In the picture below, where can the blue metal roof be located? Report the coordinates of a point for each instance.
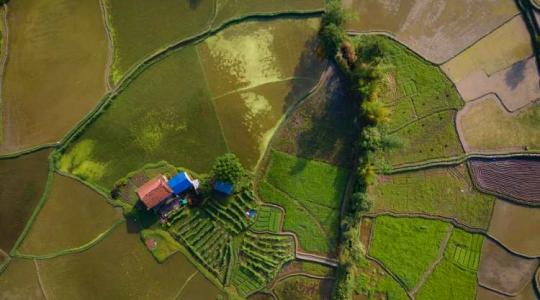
(224, 187)
(180, 183)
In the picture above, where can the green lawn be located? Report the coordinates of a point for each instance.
(455, 276)
(439, 191)
(307, 181)
(417, 90)
(317, 269)
(407, 246)
(135, 25)
(165, 114)
(165, 245)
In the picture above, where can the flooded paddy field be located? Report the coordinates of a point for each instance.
(18, 204)
(20, 281)
(436, 29)
(485, 125)
(165, 114)
(69, 202)
(515, 178)
(503, 271)
(142, 27)
(55, 69)
(516, 227)
(120, 267)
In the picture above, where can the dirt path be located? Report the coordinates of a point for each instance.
(41, 287)
(110, 44)
(318, 259)
(434, 264)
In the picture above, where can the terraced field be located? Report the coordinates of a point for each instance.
(47, 89)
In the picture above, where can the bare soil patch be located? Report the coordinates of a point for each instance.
(516, 86)
(483, 293)
(516, 227)
(503, 271)
(436, 29)
(514, 178)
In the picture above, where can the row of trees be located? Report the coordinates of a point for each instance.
(363, 66)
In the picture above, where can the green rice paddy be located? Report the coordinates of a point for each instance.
(446, 192)
(140, 28)
(182, 129)
(407, 246)
(68, 202)
(47, 89)
(29, 171)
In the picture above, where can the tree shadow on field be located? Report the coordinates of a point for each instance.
(516, 74)
(193, 4)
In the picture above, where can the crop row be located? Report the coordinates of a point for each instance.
(208, 241)
(466, 256)
(231, 213)
(268, 219)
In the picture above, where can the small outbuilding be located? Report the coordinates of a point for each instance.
(153, 192)
(223, 187)
(182, 182)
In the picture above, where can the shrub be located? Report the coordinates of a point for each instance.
(332, 37)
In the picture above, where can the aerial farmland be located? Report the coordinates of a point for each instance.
(270, 150)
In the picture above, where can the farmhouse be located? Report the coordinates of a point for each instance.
(157, 190)
(153, 192)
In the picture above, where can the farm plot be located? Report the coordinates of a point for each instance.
(375, 283)
(320, 128)
(407, 246)
(422, 102)
(17, 204)
(234, 9)
(140, 28)
(253, 53)
(315, 227)
(516, 227)
(516, 86)
(514, 178)
(499, 50)
(446, 192)
(485, 126)
(438, 30)
(47, 89)
(310, 192)
(20, 281)
(75, 215)
(528, 293)
(261, 257)
(503, 271)
(249, 118)
(119, 267)
(268, 219)
(303, 288)
(455, 276)
(165, 114)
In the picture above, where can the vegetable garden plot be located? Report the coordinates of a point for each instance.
(268, 219)
(514, 178)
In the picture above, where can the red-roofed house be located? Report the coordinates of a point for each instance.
(154, 192)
